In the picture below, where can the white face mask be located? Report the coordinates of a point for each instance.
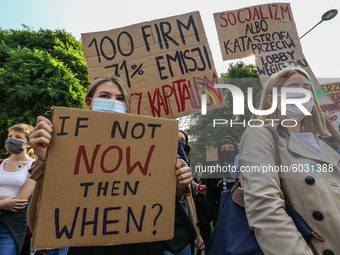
(292, 111)
(109, 105)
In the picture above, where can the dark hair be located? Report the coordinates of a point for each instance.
(187, 146)
(226, 140)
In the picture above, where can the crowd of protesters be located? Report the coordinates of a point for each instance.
(314, 195)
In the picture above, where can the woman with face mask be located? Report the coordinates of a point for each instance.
(15, 189)
(307, 176)
(227, 151)
(107, 94)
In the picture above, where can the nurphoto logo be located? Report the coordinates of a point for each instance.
(204, 97)
(238, 99)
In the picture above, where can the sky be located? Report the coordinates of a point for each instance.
(321, 46)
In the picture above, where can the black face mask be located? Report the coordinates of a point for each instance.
(228, 156)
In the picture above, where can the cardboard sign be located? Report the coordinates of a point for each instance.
(161, 61)
(334, 118)
(333, 91)
(237, 30)
(109, 179)
(267, 31)
(211, 154)
(272, 57)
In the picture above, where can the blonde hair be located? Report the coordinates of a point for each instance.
(314, 123)
(121, 85)
(26, 129)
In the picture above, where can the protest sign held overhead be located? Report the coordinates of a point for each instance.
(334, 118)
(333, 91)
(272, 57)
(268, 32)
(163, 62)
(332, 111)
(238, 29)
(103, 183)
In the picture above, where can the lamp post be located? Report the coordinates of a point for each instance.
(326, 16)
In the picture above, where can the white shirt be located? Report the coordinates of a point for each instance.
(12, 182)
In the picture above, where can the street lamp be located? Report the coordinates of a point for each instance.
(326, 16)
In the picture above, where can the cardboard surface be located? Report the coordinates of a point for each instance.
(269, 33)
(272, 57)
(238, 29)
(160, 61)
(333, 91)
(109, 179)
(211, 154)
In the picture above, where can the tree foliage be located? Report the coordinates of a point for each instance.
(38, 70)
(203, 134)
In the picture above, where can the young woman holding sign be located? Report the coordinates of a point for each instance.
(106, 94)
(15, 189)
(307, 177)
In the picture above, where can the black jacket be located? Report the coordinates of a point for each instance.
(213, 195)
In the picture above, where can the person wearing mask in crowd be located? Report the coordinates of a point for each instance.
(105, 94)
(185, 139)
(15, 189)
(199, 187)
(227, 151)
(188, 202)
(313, 191)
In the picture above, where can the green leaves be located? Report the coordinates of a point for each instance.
(203, 132)
(38, 70)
